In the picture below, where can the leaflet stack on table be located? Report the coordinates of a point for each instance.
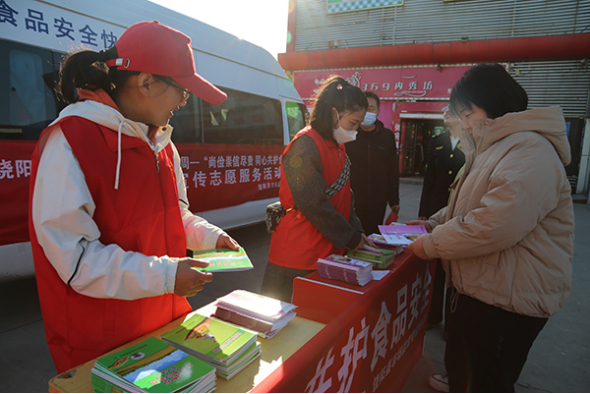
(346, 269)
(226, 347)
(152, 366)
(265, 315)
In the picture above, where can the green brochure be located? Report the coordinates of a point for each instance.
(211, 340)
(221, 260)
(152, 366)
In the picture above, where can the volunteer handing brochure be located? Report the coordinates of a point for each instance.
(223, 260)
(401, 235)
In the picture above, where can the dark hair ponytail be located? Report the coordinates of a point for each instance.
(87, 69)
(337, 93)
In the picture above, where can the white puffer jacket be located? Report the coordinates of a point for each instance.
(507, 236)
(63, 210)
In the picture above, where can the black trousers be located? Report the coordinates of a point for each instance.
(437, 306)
(371, 217)
(486, 346)
(278, 281)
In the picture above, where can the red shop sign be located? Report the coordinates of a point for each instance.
(395, 83)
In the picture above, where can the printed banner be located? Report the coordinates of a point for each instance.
(216, 176)
(54, 27)
(219, 176)
(335, 6)
(370, 347)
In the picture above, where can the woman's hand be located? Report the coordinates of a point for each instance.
(364, 241)
(189, 281)
(226, 242)
(420, 222)
(417, 247)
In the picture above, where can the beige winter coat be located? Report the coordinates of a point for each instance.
(507, 236)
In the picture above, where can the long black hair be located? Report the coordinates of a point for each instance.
(337, 93)
(87, 69)
(490, 87)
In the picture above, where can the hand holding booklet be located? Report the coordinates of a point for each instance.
(223, 260)
(402, 235)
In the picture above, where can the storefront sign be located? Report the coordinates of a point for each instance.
(335, 6)
(216, 176)
(372, 346)
(395, 83)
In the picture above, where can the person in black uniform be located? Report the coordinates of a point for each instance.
(445, 160)
(374, 170)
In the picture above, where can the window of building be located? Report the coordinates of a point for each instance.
(243, 118)
(27, 90)
(296, 117)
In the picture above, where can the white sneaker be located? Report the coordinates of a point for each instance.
(439, 382)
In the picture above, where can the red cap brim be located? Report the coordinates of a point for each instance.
(202, 88)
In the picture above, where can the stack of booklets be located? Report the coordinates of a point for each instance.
(381, 243)
(152, 366)
(380, 258)
(346, 269)
(226, 347)
(265, 315)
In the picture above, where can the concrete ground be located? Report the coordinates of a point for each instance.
(558, 362)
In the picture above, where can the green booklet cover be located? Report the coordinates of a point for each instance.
(209, 339)
(224, 260)
(151, 366)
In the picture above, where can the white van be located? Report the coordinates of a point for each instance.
(230, 152)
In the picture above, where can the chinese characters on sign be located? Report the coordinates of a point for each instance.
(263, 169)
(26, 18)
(227, 175)
(10, 169)
(371, 351)
(393, 83)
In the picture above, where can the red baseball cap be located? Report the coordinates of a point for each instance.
(151, 47)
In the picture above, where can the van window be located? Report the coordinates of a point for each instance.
(296, 117)
(27, 90)
(187, 127)
(243, 119)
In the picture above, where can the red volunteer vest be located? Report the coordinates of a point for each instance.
(143, 215)
(296, 243)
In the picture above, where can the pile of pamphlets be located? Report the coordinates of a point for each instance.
(381, 243)
(346, 269)
(223, 260)
(265, 315)
(152, 366)
(225, 346)
(380, 258)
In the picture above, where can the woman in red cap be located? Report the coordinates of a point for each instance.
(109, 219)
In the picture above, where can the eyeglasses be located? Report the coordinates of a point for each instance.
(185, 93)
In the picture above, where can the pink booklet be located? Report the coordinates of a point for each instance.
(401, 235)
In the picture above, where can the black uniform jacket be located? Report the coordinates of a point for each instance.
(374, 170)
(443, 164)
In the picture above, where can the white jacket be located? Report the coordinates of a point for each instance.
(63, 217)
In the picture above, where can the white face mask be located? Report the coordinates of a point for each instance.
(342, 136)
(370, 118)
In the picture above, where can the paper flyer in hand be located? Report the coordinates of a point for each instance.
(402, 235)
(224, 260)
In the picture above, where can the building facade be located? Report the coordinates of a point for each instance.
(412, 52)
